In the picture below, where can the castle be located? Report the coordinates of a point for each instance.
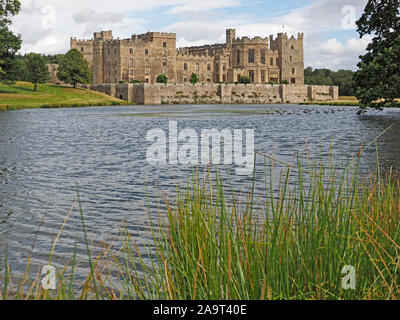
(144, 57)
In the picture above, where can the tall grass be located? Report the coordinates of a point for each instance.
(209, 243)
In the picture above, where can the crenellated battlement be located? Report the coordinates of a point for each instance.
(194, 56)
(81, 41)
(248, 41)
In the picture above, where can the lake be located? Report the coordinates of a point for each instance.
(46, 154)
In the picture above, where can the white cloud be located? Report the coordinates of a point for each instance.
(200, 6)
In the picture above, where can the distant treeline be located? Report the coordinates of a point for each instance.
(18, 69)
(341, 78)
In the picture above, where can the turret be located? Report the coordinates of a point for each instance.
(230, 37)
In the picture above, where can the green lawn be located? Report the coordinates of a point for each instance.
(343, 101)
(22, 96)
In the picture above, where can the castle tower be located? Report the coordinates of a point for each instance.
(290, 57)
(230, 37)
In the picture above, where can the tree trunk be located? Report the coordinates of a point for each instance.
(35, 87)
(75, 85)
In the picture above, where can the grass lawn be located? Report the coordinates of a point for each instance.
(343, 101)
(22, 96)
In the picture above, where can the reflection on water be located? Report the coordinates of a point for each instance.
(46, 154)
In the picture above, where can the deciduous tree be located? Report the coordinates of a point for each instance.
(74, 68)
(9, 42)
(37, 72)
(378, 79)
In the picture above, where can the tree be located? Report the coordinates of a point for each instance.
(245, 80)
(194, 78)
(341, 78)
(285, 81)
(377, 81)
(74, 68)
(162, 78)
(344, 79)
(9, 42)
(37, 72)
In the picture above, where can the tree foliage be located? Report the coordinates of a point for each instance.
(37, 72)
(378, 79)
(341, 78)
(194, 78)
(162, 78)
(9, 8)
(245, 80)
(74, 68)
(9, 42)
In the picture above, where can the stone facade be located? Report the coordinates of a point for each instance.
(211, 93)
(53, 69)
(144, 57)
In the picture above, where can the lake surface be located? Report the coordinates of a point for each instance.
(46, 154)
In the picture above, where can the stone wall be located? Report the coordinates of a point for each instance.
(151, 94)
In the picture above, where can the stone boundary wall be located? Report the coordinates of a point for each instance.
(153, 94)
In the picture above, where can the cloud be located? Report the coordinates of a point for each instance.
(89, 15)
(201, 6)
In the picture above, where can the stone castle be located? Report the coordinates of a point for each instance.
(144, 57)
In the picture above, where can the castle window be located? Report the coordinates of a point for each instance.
(224, 67)
(208, 67)
(131, 72)
(164, 52)
(271, 62)
(251, 55)
(238, 78)
(208, 79)
(164, 44)
(251, 75)
(146, 51)
(185, 66)
(238, 57)
(293, 71)
(82, 49)
(197, 67)
(115, 50)
(165, 62)
(292, 47)
(291, 58)
(263, 76)
(293, 80)
(147, 71)
(131, 62)
(147, 80)
(131, 51)
(224, 78)
(109, 51)
(262, 59)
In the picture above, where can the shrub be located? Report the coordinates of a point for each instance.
(245, 80)
(162, 78)
(194, 78)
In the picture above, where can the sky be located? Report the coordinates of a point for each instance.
(330, 36)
